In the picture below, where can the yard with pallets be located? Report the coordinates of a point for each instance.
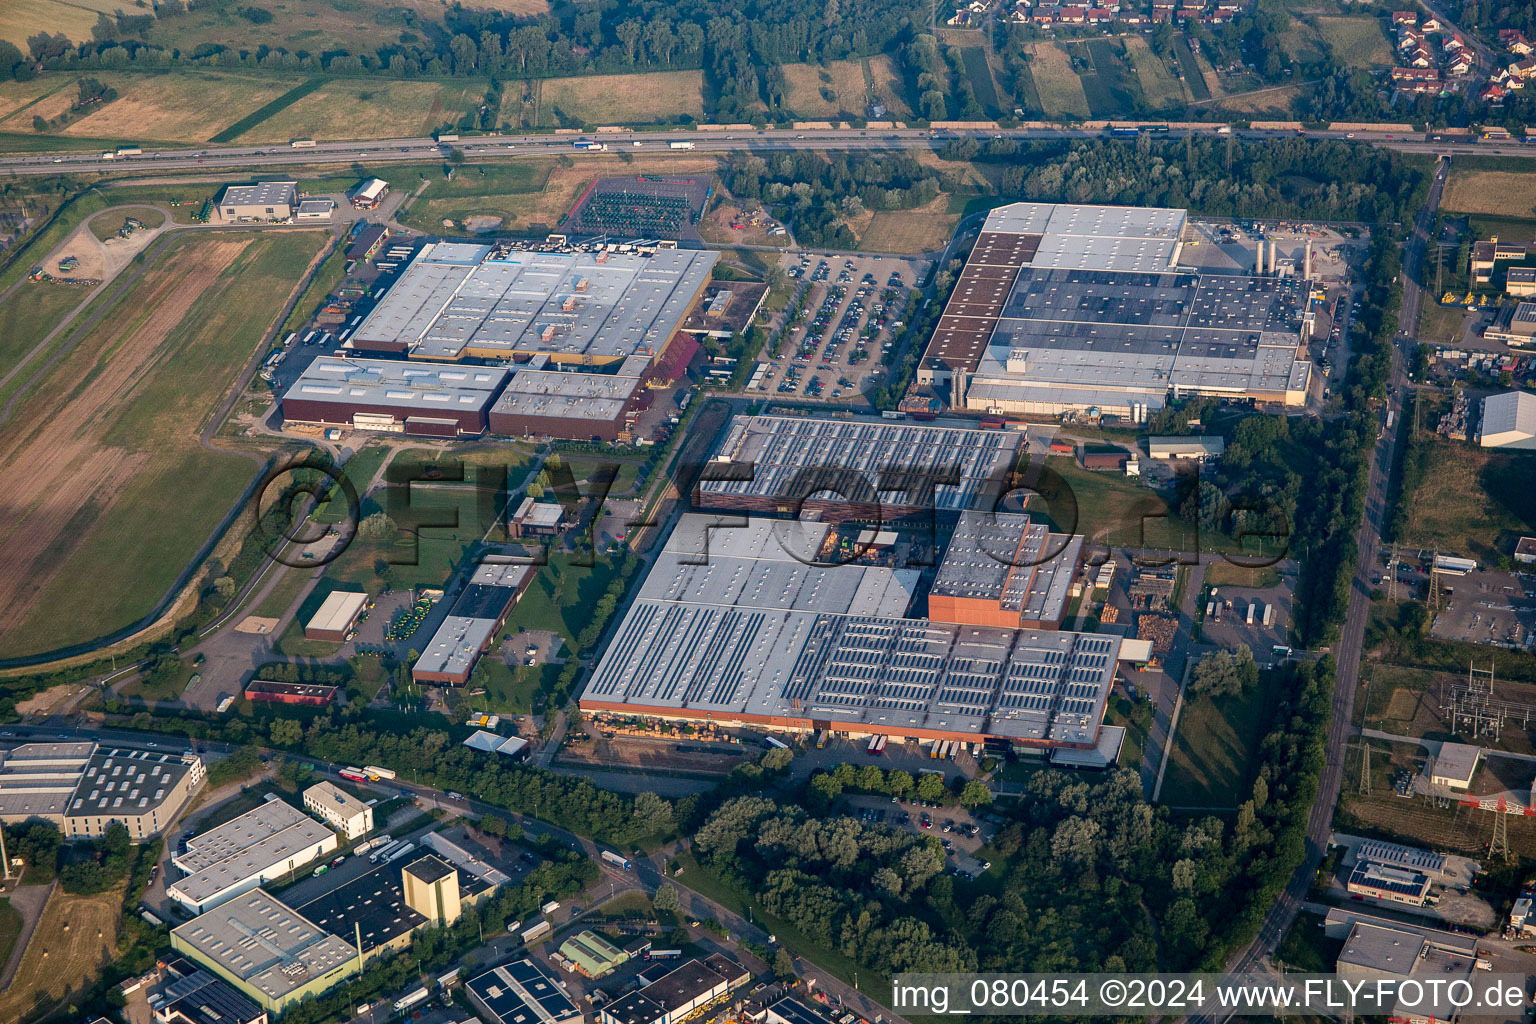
(1215, 747)
(111, 491)
(655, 97)
(1059, 88)
(76, 936)
(368, 109)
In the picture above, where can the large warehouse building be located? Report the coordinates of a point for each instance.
(472, 624)
(738, 625)
(263, 201)
(1064, 308)
(438, 400)
(265, 843)
(521, 992)
(583, 406)
(856, 468)
(1508, 421)
(82, 787)
(586, 306)
(1001, 569)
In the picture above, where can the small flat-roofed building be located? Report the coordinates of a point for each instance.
(537, 519)
(790, 1010)
(83, 788)
(318, 210)
(267, 950)
(265, 843)
(340, 810)
(1389, 952)
(1455, 766)
(471, 625)
(558, 403)
(1387, 882)
(1520, 281)
(671, 998)
(1525, 551)
(273, 692)
(431, 399)
(336, 616)
(521, 992)
(1002, 569)
(370, 193)
(1198, 449)
(191, 995)
(1486, 255)
(592, 954)
(1508, 421)
(263, 201)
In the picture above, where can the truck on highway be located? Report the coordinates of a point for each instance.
(615, 860)
(405, 1002)
(129, 151)
(109, 155)
(679, 145)
(302, 144)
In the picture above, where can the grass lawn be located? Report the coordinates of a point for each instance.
(1439, 323)
(910, 231)
(1306, 948)
(1159, 85)
(1498, 193)
(1357, 42)
(815, 92)
(109, 224)
(1225, 574)
(1211, 764)
(561, 596)
(1058, 86)
(509, 690)
(282, 595)
(109, 441)
(656, 97)
(886, 81)
(1472, 503)
(974, 60)
(1110, 83)
(180, 106)
(367, 109)
(10, 929)
(1136, 718)
(1110, 506)
(16, 96)
(1194, 79)
(76, 936)
(30, 313)
(446, 522)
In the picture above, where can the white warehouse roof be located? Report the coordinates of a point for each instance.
(1509, 421)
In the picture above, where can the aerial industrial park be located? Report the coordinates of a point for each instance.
(561, 562)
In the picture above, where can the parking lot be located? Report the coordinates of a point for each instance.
(852, 305)
(961, 835)
(1486, 608)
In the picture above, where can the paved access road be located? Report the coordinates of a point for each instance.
(479, 147)
(1352, 637)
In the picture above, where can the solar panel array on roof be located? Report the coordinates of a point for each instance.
(1385, 878)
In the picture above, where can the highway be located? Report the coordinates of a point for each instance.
(482, 147)
(1352, 637)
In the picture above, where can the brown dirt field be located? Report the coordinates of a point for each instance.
(76, 935)
(15, 95)
(636, 752)
(623, 99)
(57, 469)
(1266, 101)
(803, 88)
(1505, 193)
(83, 246)
(190, 109)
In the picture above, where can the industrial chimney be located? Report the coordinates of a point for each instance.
(1258, 266)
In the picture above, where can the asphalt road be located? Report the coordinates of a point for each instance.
(1347, 650)
(413, 150)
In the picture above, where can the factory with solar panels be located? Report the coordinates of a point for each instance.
(769, 622)
(522, 339)
(1087, 309)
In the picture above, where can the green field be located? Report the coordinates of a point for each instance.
(118, 494)
(974, 60)
(1472, 503)
(1357, 42)
(1058, 86)
(1109, 507)
(510, 690)
(487, 190)
(447, 521)
(108, 225)
(561, 596)
(30, 312)
(1212, 761)
(656, 97)
(1191, 68)
(1109, 82)
(1159, 85)
(368, 109)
